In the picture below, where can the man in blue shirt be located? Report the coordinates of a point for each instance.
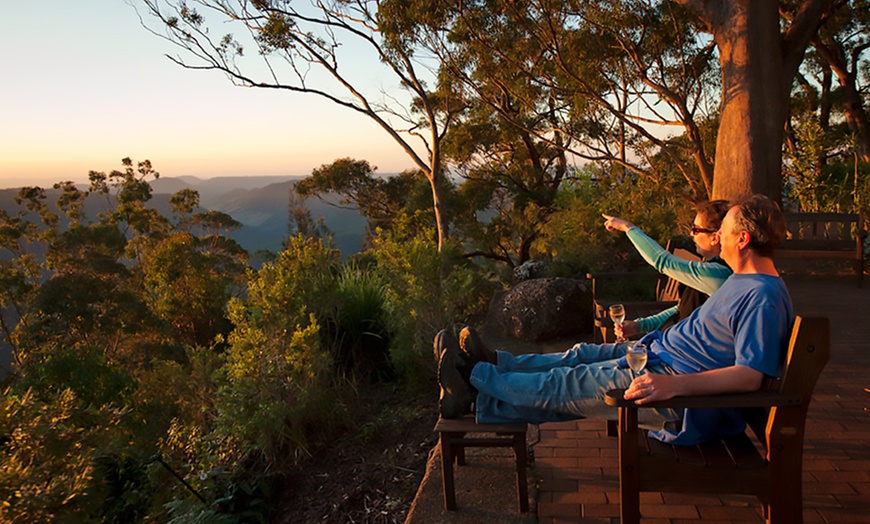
(727, 345)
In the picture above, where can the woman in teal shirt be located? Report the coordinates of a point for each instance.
(699, 279)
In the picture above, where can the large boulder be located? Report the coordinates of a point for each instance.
(542, 309)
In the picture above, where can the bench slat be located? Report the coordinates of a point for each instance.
(825, 235)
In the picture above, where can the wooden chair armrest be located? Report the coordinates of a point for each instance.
(621, 274)
(756, 399)
(639, 304)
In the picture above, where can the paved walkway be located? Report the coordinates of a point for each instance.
(575, 477)
(577, 463)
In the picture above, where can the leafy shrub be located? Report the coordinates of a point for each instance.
(427, 290)
(86, 371)
(358, 329)
(278, 379)
(49, 450)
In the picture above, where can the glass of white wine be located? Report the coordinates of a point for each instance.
(636, 354)
(617, 315)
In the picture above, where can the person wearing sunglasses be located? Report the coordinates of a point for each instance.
(698, 280)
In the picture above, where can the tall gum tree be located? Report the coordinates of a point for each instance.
(760, 51)
(604, 61)
(841, 45)
(303, 49)
(605, 82)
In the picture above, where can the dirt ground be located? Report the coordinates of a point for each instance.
(371, 473)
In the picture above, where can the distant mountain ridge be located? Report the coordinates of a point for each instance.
(259, 203)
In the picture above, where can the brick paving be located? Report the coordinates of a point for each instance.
(576, 467)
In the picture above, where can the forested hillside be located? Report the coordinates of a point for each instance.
(259, 204)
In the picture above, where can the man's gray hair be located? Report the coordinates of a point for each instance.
(759, 216)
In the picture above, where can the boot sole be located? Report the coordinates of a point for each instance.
(472, 345)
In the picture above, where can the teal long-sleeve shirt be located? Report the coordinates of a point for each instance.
(704, 276)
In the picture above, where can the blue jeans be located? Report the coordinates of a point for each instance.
(554, 387)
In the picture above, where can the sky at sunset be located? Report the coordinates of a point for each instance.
(85, 85)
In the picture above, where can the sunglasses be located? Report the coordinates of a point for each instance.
(698, 230)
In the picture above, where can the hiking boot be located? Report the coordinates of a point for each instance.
(473, 347)
(456, 398)
(442, 338)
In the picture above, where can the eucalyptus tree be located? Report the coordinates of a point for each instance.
(511, 181)
(599, 81)
(382, 200)
(545, 91)
(841, 47)
(613, 76)
(761, 46)
(828, 136)
(190, 274)
(67, 279)
(315, 48)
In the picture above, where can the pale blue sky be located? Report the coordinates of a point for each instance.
(84, 85)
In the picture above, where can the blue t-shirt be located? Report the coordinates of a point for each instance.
(746, 322)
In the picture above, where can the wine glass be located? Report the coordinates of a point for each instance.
(636, 354)
(617, 315)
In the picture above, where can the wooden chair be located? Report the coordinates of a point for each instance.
(666, 295)
(732, 464)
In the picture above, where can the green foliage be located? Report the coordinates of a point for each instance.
(192, 512)
(575, 235)
(277, 374)
(85, 371)
(169, 391)
(75, 309)
(50, 446)
(188, 288)
(384, 201)
(822, 175)
(121, 481)
(427, 290)
(358, 329)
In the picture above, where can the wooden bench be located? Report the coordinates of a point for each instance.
(825, 235)
(454, 435)
(776, 415)
(666, 295)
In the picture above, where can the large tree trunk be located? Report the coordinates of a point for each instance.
(858, 122)
(754, 100)
(758, 65)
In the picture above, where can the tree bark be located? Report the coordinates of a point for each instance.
(758, 65)
(754, 100)
(441, 224)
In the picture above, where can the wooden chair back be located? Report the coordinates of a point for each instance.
(808, 353)
(823, 231)
(668, 289)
